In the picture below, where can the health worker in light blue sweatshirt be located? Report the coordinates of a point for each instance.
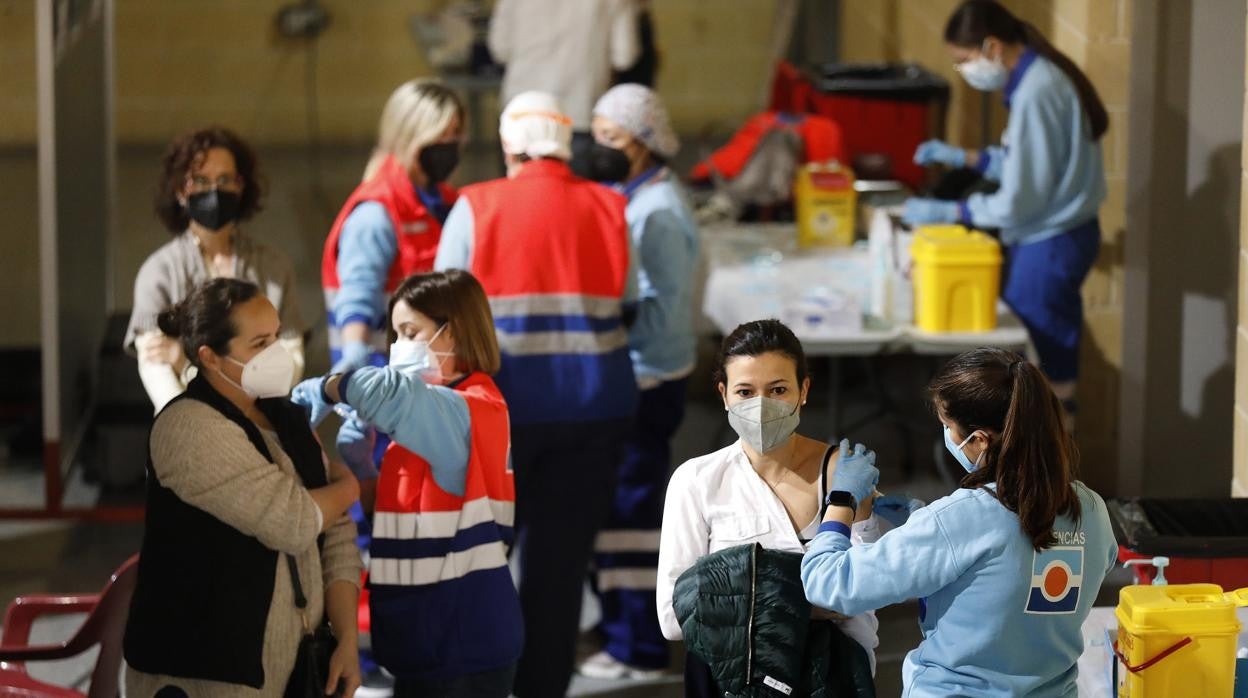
(1049, 167)
(633, 141)
(1006, 568)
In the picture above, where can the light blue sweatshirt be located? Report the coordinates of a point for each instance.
(998, 618)
(367, 248)
(1051, 173)
(431, 421)
(661, 341)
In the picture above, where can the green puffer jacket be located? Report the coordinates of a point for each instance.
(744, 613)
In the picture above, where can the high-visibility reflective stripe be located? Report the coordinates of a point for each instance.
(438, 569)
(443, 524)
(628, 578)
(540, 343)
(520, 324)
(555, 304)
(637, 541)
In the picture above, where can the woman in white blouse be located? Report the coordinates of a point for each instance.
(767, 487)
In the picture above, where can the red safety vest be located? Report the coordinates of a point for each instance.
(551, 251)
(441, 595)
(416, 229)
(570, 234)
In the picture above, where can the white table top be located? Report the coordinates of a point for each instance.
(753, 270)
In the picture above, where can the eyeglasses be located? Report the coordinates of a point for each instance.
(200, 183)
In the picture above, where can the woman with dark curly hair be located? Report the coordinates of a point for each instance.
(208, 184)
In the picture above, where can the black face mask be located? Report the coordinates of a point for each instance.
(214, 209)
(438, 161)
(607, 164)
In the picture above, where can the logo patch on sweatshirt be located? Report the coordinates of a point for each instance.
(1056, 575)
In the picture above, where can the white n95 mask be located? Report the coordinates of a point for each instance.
(412, 357)
(267, 374)
(763, 423)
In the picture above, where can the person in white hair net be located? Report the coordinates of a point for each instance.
(534, 126)
(633, 143)
(553, 253)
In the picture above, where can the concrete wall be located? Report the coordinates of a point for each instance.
(1096, 34)
(1239, 482)
(1183, 210)
(183, 63)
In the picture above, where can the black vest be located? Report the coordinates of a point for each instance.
(204, 588)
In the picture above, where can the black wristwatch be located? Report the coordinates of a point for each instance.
(840, 498)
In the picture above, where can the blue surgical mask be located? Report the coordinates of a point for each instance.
(956, 450)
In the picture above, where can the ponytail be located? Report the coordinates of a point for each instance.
(1098, 118)
(976, 20)
(1030, 458)
(1039, 454)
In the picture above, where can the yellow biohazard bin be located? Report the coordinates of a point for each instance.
(1177, 640)
(825, 204)
(957, 276)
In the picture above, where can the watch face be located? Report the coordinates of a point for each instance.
(841, 499)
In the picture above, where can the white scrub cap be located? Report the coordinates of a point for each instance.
(533, 124)
(638, 110)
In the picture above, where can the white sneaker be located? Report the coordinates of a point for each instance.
(603, 666)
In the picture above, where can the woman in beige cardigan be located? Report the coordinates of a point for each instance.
(237, 484)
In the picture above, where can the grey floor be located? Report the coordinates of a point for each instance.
(65, 557)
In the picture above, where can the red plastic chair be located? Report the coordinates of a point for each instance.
(105, 625)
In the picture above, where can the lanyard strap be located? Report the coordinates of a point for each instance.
(635, 183)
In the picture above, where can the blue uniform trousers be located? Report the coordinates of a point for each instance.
(1041, 284)
(628, 548)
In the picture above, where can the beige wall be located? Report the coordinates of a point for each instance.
(17, 72)
(1239, 482)
(183, 63)
(1095, 34)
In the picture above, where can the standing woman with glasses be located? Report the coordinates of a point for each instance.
(208, 184)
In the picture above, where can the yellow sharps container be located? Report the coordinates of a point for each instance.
(825, 204)
(1177, 640)
(957, 276)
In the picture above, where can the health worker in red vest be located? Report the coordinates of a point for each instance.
(390, 225)
(387, 230)
(554, 255)
(445, 616)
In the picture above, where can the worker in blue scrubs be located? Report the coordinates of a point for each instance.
(1052, 180)
(633, 142)
(1006, 568)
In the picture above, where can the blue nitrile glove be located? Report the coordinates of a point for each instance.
(309, 396)
(896, 508)
(356, 439)
(354, 355)
(855, 471)
(937, 152)
(918, 211)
